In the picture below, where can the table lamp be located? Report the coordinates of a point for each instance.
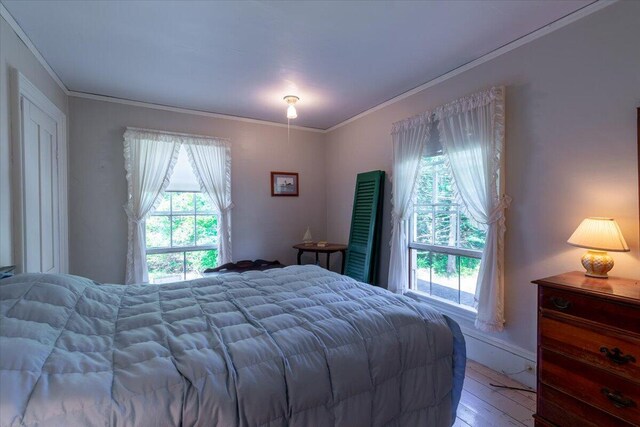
(598, 235)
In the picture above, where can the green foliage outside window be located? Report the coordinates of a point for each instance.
(439, 220)
(181, 220)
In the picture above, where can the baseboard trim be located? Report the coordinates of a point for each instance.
(501, 356)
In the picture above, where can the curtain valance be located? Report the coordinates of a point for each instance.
(419, 120)
(470, 102)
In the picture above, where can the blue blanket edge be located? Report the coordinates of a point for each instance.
(459, 365)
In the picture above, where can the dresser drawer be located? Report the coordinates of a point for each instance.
(597, 387)
(619, 315)
(612, 351)
(566, 411)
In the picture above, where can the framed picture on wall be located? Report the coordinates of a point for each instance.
(284, 184)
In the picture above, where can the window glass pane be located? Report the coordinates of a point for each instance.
(206, 229)
(435, 201)
(445, 232)
(165, 268)
(424, 186)
(423, 226)
(158, 231)
(164, 205)
(445, 276)
(182, 202)
(472, 235)
(183, 231)
(423, 267)
(444, 186)
(203, 203)
(198, 261)
(469, 269)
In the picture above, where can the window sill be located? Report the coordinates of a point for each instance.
(453, 310)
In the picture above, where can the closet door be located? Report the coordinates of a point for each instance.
(40, 175)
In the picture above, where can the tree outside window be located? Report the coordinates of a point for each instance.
(445, 244)
(181, 237)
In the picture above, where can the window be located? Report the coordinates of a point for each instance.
(182, 232)
(181, 237)
(445, 245)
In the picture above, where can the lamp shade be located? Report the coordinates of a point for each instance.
(601, 234)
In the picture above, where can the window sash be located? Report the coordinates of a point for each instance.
(457, 307)
(179, 249)
(170, 214)
(438, 207)
(447, 250)
(183, 251)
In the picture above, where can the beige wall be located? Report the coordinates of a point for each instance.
(263, 226)
(571, 149)
(571, 152)
(15, 55)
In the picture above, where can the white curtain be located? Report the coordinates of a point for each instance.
(149, 162)
(211, 163)
(472, 137)
(150, 157)
(410, 138)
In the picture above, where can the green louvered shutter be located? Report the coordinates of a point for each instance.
(364, 240)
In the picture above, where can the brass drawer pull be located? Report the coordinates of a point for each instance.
(618, 400)
(560, 303)
(615, 355)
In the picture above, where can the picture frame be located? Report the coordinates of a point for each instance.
(284, 184)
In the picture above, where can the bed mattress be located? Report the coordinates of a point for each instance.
(299, 346)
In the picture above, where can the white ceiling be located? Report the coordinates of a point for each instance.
(240, 58)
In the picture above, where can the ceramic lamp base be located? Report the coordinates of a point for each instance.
(597, 264)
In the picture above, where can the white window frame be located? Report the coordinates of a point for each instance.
(182, 249)
(445, 305)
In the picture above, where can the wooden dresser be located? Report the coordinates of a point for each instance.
(588, 351)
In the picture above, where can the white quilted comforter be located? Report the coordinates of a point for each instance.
(298, 346)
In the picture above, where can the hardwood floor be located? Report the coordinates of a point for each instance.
(483, 405)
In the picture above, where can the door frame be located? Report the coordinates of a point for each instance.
(21, 89)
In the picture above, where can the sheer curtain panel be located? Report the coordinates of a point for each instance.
(149, 160)
(211, 163)
(150, 157)
(410, 138)
(472, 136)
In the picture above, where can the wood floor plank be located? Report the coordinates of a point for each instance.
(477, 412)
(522, 398)
(482, 405)
(499, 378)
(497, 400)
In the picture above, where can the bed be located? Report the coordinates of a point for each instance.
(298, 346)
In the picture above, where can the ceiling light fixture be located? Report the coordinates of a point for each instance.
(291, 110)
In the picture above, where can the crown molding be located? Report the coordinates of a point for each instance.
(559, 23)
(536, 34)
(27, 41)
(186, 111)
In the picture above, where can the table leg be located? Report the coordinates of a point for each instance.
(329, 261)
(317, 260)
(342, 266)
(300, 256)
